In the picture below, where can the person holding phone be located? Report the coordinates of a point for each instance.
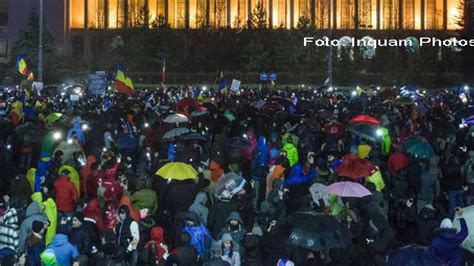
(445, 244)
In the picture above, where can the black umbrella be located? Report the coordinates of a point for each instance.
(316, 241)
(313, 222)
(238, 143)
(412, 255)
(194, 136)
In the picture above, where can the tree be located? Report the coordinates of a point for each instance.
(256, 56)
(259, 16)
(27, 45)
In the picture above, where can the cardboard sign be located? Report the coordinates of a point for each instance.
(97, 84)
(235, 86)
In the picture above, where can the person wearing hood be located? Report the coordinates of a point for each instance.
(199, 207)
(127, 230)
(235, 227)
(291, 153)
(65, 252)
(200, 236)
(219, 212)
(93, 214)
(77, 130)
(259, 166)
(35, 244)
(144, 198)
(429, 189)
(33, 213)
(216, 257)
(157, 241)
(66, 195)
(230, 250)
(298, 182)
(445, 244)
(455, 184)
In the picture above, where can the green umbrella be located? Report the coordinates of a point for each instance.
(53, 118)
(421, 150)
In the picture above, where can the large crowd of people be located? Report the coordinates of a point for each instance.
(195, 176)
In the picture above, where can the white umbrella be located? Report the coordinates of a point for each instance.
(176, 118)
(468, 215)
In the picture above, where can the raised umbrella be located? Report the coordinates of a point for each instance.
(271, 107)
(176, 118)
(413, 255)
(367, 119)
(238, 143)
(176, 132)
(229, 185)
(387, 94)
(348, 189)
(366, 131)
(177, 171)
(316, 241)
(199, 113)
(186, 102)
(194, 136)
(356, 168)
(421, 150)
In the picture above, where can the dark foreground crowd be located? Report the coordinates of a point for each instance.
(260, 177)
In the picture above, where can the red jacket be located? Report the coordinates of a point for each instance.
(93, 182)
(92, 211)
(66, 194)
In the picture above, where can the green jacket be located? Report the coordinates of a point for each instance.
(291, 153)
(145, 199)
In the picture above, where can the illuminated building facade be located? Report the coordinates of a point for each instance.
(345, 14)
(80, 23)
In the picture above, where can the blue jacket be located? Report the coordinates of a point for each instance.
(298, 176)
(65, 252)
(445, 244)
(263, 151)
(126, 142)
(77, 128)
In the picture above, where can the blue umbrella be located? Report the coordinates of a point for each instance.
(412, 255)
(421, 150)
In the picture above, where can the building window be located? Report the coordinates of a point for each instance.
(389, 13)
(322, 16)
(96, 14)
(219, 13)
(136, 13)
(455, 9)
(198, 13)
(408, 14)
(304, 9)
(116, 13)
(240, 19)
(156, 9)
(77, 14)
(367, 14)
(180, 13)
(345, 14)
(282, 14)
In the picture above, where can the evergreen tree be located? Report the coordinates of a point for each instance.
(27, 45)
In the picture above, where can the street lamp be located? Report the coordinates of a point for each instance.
(40, 43)
(329, 46)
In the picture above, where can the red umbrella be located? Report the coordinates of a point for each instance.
(271, 107)
(397, 161)
(181, 104)
(356, 168)
(365, 119)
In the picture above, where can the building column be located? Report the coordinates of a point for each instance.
(356, 14)
(167, 12)
(312, 10)
(229, 14)
(292, 14)
(106, 14)
(147, 13)
(186, 14)
(334, 14)
(270, 14)
(422, 14)
(208, 13)
(125, 14)
(378, 6)
(86, 14)
(400, 14)
(249, 10)
(445, 14)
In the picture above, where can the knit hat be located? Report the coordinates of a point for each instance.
(79, 216)
(37, 226)
(446, 223)
(285, 262)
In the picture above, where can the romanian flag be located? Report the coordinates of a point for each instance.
(359, 90)
(22, 66)
(123, 83)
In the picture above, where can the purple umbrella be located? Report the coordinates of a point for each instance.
(348, 189)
